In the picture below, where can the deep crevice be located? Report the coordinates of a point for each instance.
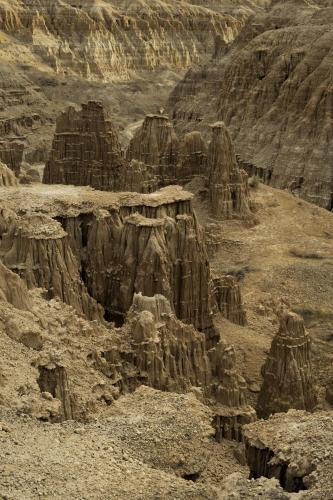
(194, 476)
(112, 317)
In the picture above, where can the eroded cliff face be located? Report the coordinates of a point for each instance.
(115, 245)
(173, 159)
(229, 299)
(288, 377)
(77, 367)
(293, 448)
(7, 176)
(86, 150)
(265, 88)
(37, 249)
(169, 158)
(135, 35)
(11, 153)
(130, 52)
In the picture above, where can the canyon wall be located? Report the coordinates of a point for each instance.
(264, 86)
(135, 35)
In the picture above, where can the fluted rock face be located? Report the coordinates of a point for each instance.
(229, 299)
(85, 150)
(173, 160)
(156, 145)
(166, 353)
(139, 178)
(154, 251)
(227, 183)
(229, 391)
(11, 153)
(12, 289)
(7, 176)
(53, 380)
(37, 249)
(265, 88)
(119, 243)
(192, 157)
(288, 378)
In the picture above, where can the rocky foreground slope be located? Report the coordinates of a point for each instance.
(273, 88)
(56, 365)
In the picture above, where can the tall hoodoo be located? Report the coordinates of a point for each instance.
(156, 145)
(228, 189)
(229, 299)
(165, 353)
(288, 378)
(85, 150)
(192, 157)
(229, 391)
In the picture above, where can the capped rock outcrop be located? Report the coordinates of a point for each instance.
(119, 244)
(85, 150)
(288, 377)
(37, 249)
(228, 188)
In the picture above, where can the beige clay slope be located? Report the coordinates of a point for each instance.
(286, 257)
